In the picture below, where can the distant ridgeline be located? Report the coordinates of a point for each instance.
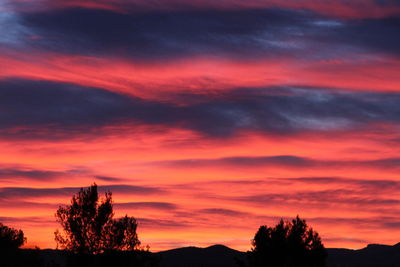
(221, 256)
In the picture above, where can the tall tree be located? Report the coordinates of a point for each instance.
(288, 244)
(89, 227)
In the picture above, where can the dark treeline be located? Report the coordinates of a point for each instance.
(91, 236)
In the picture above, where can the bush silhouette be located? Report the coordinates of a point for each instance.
(10, 238)
(89, 227)
(10, 254)
(288, 244)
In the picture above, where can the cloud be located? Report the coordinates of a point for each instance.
(11, 29)
(145, 205)
(163, 35)
(13, 204)
(50, 110)
(32, 174)
(162, 223)
(109, 179)
(284, 160)
(27, 192)
(339, 8)
(223, 212)
(32, 219)
(382, 222)
(375, 35)
(289, 161)
(330, 197)
(360, 183)
(245, 34)
(372, 184)
(47, 103)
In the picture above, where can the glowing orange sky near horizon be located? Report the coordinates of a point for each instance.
(137, 159)
(189, 187)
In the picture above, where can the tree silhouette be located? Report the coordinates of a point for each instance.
(89, 227)
(10, 238)
(288, 244)
(10, 256)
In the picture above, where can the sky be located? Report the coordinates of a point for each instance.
(205, 119)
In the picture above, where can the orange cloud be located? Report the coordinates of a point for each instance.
(202, 76)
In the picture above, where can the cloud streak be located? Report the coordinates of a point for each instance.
(239, 34)
(147, 205)
(337, 8)
(26, 192)
(69, 109)
(18, 173)
(288, 161)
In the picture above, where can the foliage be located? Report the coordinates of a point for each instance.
(10, 238)
(10, 256)
(89, 227)
(288, 244)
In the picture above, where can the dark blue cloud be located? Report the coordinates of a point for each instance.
(370, 184)
(53, 110)
(161, 35)
(38, 109)
(284, 160)
(31, 220)
(365, 185)
(8, 193)
(151, 205)
(224, 212)
(16, 173)
(289, 161)
(40, 103)
(248, 34)
(162, 223)
(109, 179)
(350, 198)
(372, 35)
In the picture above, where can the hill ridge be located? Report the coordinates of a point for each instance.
(373, 255)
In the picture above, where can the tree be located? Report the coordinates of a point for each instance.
(288, 244)
(10, 238)
(89, 227)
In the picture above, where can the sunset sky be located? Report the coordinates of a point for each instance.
(204, 118)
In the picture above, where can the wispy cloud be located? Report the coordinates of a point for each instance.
(65, 109)
(26, 192)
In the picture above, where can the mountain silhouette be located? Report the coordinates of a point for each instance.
(374, 255)
(217, 255)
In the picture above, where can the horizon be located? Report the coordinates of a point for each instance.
(204, 119)
(243, 251)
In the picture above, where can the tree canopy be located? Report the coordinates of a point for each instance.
(288, 244)
(89, 227)
(10, 238)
